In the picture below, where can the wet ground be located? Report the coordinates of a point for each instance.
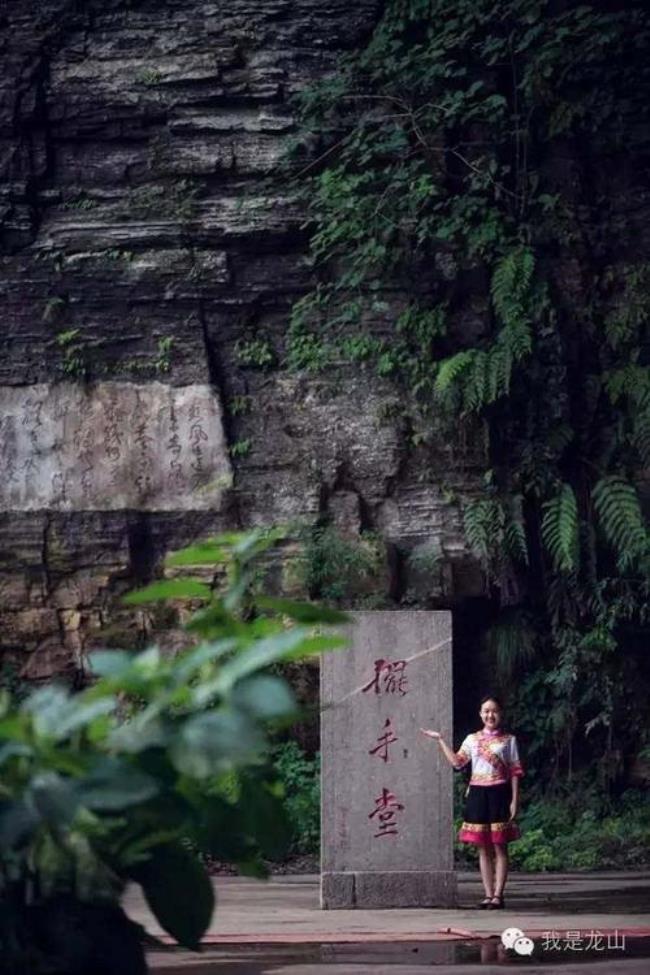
(632, 956)
(569, 922)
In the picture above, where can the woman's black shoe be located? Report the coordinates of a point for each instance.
(497, 903)
(484, 904)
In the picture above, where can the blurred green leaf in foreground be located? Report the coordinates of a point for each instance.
(162, 758)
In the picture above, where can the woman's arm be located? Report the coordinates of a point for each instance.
(516, 771)
(452, 757)
(514, 802)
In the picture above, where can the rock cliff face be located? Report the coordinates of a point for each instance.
(143, 255)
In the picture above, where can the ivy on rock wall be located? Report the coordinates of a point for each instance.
(478, 205)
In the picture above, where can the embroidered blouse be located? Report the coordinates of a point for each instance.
(494, 757)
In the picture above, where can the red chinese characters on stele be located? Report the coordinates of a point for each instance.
(389, 678)
(383, 741)
(386, 809)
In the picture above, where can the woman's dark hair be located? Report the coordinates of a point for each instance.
(492, 697)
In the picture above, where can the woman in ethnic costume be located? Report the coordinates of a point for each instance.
(492, 800)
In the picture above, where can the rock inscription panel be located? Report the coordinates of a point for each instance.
(386, 813)
(109, 446)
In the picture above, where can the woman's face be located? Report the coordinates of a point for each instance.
(490, 714)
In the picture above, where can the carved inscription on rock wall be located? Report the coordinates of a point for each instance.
(111, 445)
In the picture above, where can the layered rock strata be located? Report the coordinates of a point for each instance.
(142, 253)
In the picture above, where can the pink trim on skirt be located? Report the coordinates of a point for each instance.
(485, 834)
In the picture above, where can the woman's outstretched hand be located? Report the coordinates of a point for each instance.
(449, 754)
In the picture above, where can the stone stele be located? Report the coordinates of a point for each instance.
(387, 797)
(111, 445)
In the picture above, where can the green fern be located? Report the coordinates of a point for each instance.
(489, 378)
(619, 328)
(477, 382)
(641, 436)
(501, 362)
(517, 338)
(632, 381)
(514, 539)
(560, 437)
(512, 644)
(510, 289)
(484, 520)
(562, 599)
(560, 529)
(626, 321)
(619, 514)
(510, 285)
(482, 377)
(450, 369)
(484, 374)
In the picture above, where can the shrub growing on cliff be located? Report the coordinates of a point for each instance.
(106, 787)
(339, 568)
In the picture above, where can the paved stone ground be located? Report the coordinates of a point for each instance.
(277, 927)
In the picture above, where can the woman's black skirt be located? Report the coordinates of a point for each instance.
(487, 815)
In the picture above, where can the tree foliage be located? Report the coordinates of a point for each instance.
(467, 162)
